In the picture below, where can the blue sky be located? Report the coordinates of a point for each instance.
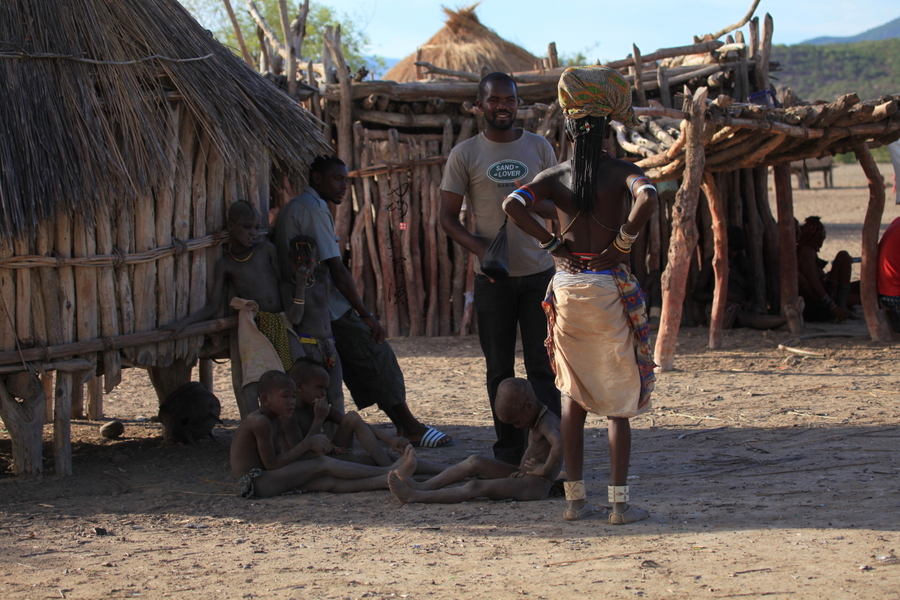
(606, 30)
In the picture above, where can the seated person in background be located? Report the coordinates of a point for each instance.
(263, 472)
(313, 411)
(516, 405)
(305, 301)
(251, 266)
(826, 295)
(889, 272)
(369, 364)
(740, 311)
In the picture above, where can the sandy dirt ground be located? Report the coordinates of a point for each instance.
(766, 473)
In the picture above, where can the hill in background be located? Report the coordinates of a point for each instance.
(882, 32)
(825, 72)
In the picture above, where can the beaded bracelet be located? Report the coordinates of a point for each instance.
(554, 242)
(623, 244)
(619, 248)
(299, 301)
(628, 236)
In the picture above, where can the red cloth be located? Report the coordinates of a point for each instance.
(889, 260)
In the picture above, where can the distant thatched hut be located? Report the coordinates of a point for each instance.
(464, 44)
(128, 132)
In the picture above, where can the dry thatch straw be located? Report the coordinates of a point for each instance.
(92, 80)
(464, 44)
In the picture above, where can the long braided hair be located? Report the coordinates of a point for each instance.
(588, 134)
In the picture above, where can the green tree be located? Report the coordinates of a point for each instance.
(212, 15)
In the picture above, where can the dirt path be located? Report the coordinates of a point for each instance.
(767, 474)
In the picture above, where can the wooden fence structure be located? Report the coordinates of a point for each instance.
(86, 285)
(131, 133)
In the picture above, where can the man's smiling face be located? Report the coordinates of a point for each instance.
(500, 103)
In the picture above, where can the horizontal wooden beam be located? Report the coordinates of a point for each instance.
(118, 342)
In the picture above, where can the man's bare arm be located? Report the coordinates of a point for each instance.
(451, 205)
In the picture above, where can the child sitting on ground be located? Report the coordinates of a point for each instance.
(313, 411)
(263, 472)
(516, 405)
(305, 301)
(251, 266)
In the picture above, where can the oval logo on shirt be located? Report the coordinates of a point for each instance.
(507, 170)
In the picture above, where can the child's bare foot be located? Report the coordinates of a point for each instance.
(410, 481)
(399, 487)
(406, 464)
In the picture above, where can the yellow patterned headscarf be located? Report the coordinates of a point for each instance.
(596, 92)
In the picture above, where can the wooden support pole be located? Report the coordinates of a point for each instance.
(665, 94)
(24, 420)
(770, 237)
(753, 49)
(270, 34)
(95, 398)
(684, 231)
(62, 424)
(765, 51)
(787, 243)
(291, 58)
(343, 213)
(552, 55)
(877, 324)
(205, 374)
(720, 259)
(77, 402)
(298, 30)
(238, 34)
(638, 69)
(753, 226)
(47, 383)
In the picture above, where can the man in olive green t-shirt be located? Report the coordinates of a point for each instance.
(485, 169)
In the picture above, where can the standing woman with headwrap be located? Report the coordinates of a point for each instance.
(598, 334)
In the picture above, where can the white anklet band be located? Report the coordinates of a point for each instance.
(617, 493)
(574, 490)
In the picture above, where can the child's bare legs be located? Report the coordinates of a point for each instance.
(619, 459)
(296, 474)
(423, 467)
(474, 466)
(522, 489)
(336, 483)
(352, 424)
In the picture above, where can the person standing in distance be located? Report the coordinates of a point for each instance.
(485, 169)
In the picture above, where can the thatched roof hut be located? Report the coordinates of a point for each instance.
(464, 44)
(95, 83)
(129, 133)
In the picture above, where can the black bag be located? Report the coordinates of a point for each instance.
(495, 263)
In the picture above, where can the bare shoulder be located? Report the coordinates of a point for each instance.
(549, 425)
(554, 177)
(625, 168)
(254, 424)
